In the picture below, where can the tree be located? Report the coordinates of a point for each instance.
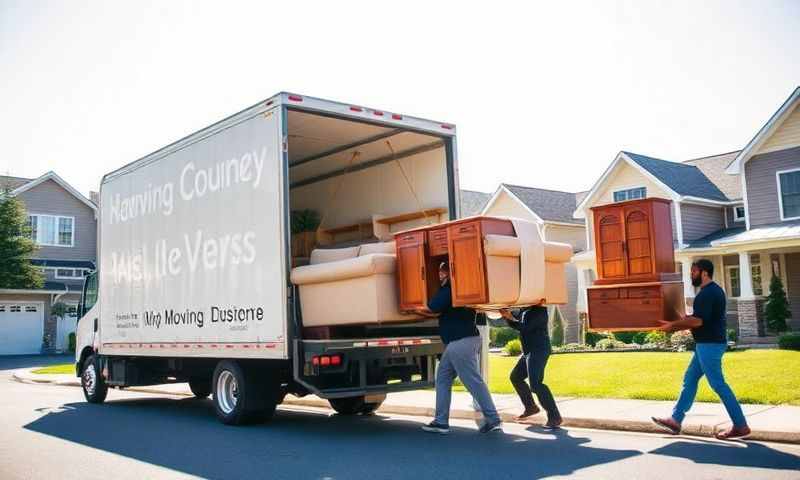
(16, 246)
(557, 335)
(776, 308)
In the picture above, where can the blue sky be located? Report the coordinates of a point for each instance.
(543, 95)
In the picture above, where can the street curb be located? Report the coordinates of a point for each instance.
(460, 414)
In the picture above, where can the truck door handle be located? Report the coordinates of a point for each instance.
(95, 324)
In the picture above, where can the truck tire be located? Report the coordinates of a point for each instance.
(243, 396)
(353, 406)
(200, 387)
(93, 384)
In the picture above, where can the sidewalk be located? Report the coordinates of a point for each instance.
(775, 423)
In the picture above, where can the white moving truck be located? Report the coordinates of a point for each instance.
(195, 252)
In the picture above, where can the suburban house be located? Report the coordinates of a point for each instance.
(552, 211)
(64, 226)
(739, 209)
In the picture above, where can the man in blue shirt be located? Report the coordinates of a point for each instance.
(460, 358)
(707, 324)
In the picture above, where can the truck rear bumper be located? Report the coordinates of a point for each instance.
(368, 367)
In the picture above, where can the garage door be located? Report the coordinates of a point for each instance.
(21, 327)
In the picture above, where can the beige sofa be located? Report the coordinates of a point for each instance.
(503, 275)
(350, 286)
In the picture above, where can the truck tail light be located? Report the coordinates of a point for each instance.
(295, 98)
(396, 116)
(356, 109)
(326, 360)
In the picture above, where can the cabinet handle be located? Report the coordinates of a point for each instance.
(465, 229)
(410, 237)
(423, 272)
(646, 302)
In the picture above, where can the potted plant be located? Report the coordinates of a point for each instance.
(304, 226)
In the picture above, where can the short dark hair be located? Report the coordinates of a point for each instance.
(704, 265)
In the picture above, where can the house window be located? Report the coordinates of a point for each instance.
(69, 273)
(630, 194)
(734, 287)
(52, 230)
(738, 214)
(789, 193)
(755, 269)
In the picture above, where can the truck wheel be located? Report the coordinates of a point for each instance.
(93, 384)
(242, 396)
(353, 406)
(200, 387)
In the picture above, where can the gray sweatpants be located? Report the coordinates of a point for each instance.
(460, 359)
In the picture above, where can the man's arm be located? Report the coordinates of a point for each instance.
(510, 319)
(684, 323)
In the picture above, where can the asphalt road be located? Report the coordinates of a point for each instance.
(50, 432)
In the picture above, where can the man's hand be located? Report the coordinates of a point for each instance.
(506, 313)
(425, 312)
(668, 327)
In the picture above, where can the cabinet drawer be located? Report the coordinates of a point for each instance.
(463, 230)
(437, 241)
(644, 292)
(410, 238)
(625, 314)
(604, 293)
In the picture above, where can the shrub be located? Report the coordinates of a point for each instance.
(571, 347)
(71, 341)
(500, 336)
(789, 341)
(657, 337)
(776, 308)
(304, 221)
(733, 335)
(640, 338)
(557, 335)
(629, 337)
(609, 344)
(513, 347)
(591, 338)
(682, 340)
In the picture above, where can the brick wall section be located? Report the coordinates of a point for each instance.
(751, 318)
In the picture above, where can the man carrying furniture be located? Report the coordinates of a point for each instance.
(460, 358)
(707, 324)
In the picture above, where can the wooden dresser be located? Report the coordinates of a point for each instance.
(637, 285)
(460, 243)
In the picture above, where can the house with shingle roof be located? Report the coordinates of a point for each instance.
(552, 210)
(740, 209)
(64, 227)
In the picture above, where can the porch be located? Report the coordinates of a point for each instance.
(744, 264)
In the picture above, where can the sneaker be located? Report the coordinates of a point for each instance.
(733, 432)
(529, 412)
(495, 426)
(436, 427)
(553, 423)
(668, 423)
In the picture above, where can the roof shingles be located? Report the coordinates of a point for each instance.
(681, 178)
(549, 205)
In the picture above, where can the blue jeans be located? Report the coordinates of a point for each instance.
(460, 359)
(707, 360)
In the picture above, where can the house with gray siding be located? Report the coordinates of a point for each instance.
(64, 227)
(740, 209)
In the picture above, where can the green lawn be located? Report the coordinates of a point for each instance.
(65, 368)
(756, 376)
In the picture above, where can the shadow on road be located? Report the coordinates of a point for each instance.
(14, 362)
(736, 454)
(184, 435)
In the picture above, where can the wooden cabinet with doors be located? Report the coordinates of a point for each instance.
(460, 243)
(637, 285)
(633, 242)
